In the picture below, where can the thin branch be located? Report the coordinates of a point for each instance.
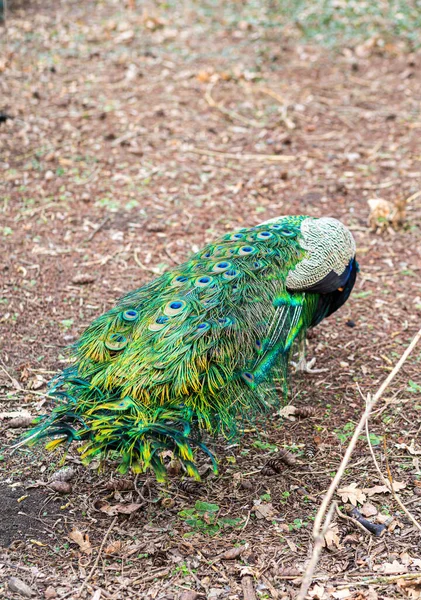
(318, 545)
(389, 482)
(318, 528)
(91, 572)
(225, 111)
(258, 157)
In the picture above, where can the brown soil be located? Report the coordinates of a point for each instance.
(117, 164)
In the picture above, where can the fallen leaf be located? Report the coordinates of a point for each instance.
(123, 509)
(412, 589)
(114, 548)
(368, 510)
(232, 553)
(20, 587)
(82, 540)
(382, 489)
(394, 568)
(331, 538)
(50, 593)
(411, 448)
(291, 545)
(352, 494)
(288, 412)
(343, 594)
(264, 510)
(318, 592)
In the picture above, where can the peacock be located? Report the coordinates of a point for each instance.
(196, 352)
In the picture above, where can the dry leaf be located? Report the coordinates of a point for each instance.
(343, 594)
(82, 540)
(368, 510)
(114, 548)
(412, 589)
(394, 568)
(331, 537)
(20, 587)
(382, 489)
(232, 553)
(291, 545)
(352, 494)
(318, 592)
(19, 422)
(411, 448)
(122, 509)
(288, 412)
(264, 510)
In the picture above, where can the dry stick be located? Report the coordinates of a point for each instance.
(97, 229)
(229, 113)
(318, 545)
(248, 588)
(263, 157)
(389, 482)
(334, 484)
(91, 572)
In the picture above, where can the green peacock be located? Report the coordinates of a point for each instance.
(197, 350)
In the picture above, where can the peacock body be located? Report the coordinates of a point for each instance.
(198, 348)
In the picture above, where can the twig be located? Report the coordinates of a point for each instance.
(413, 197)
(318, 545)
(341, 515)
(229, 113)
(259, 157)
(389, 482)
(91, 572)
(142, 266)
(248, 588)
(14, 381)
(318, 528)
(97, 229)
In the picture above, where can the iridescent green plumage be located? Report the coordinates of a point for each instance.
(194, 350)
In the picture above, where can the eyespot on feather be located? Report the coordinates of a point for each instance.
(236, 236)
(203, 281)
(175, 307)
(220, 267)
(116, 342)
(130, 315)
(248, 377)
(286, 232)
(246, 250)
(180, 280)
(264, 235)
(230, 274)
(256, 265)
(159, 323)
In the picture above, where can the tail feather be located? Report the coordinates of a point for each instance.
(138, 434)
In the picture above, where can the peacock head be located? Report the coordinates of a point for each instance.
(329, 264)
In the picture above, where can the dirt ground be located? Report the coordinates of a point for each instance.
(128, 139)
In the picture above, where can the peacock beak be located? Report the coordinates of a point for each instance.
(341, 289)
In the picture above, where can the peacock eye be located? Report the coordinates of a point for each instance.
(203, 281)
(130, 315)
(116, 342)
(174, 308)
(246, 250)
(287, 232)
(221, 266)
(264, 235)
(248, 377)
